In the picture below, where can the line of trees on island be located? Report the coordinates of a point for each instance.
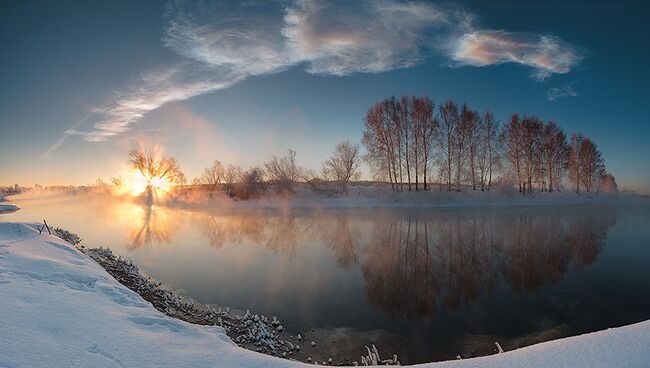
(412, 145)
(408, 141)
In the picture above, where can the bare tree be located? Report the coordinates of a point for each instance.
(592, 164)
(251, 184)
(490, 145)
(467, 119)
(379, 141)
(416, 152)
(398, 138)
(393, 112)
(154, 166)
(470, 135)
(401, 135)
(343, 165)
(574, 157)
(424, 130)
(375, 144)
(212, 176)
(554, 154)
(446, 140)
(283, 172)
(513, 137)
(405, 125)
(531, 142)
(232, 176)
(244, 184)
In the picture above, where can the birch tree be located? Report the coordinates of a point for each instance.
(512, 136)
(425, 127)
(554, 154)
(446, 140)
(490, 145)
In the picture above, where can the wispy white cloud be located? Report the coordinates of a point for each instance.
(561, 91)
(368, 37)
(329, 38)
(223, 44)
(152, 91)
(547, 55)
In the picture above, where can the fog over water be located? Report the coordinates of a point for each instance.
(427, 284)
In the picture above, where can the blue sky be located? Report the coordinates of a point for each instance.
(82, 82)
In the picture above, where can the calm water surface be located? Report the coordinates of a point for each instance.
(425, 284)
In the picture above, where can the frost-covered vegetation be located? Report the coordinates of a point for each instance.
(373, 358)
(71, 238)
(252, 331)
(10, 190)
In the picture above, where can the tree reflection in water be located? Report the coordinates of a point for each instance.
(414, 266)
(150, 225)
(399, 269)
(280, 233)
(412, 263)
(339, 236)
(220, 230)
(438, 278)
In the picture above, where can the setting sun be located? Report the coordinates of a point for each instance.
(159, 184)
(137, 183)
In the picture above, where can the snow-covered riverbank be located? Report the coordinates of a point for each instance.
(7, 208)
(61, 309)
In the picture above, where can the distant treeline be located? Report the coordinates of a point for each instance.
(409, 143)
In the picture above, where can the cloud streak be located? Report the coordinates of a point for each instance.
(562, 91)
(547, 55)
(221, 45)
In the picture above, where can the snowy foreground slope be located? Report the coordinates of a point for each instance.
(58, 308)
